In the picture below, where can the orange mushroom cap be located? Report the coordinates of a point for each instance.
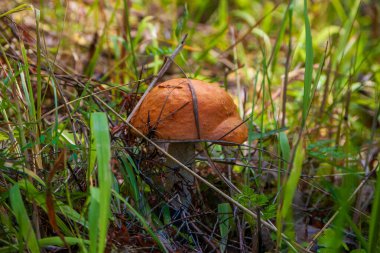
(167, 112)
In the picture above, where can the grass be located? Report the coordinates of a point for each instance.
(304, 74)
(99, 210)
(25, 228)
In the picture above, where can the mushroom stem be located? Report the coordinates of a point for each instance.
(181, 181)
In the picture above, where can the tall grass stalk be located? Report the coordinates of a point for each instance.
(99, 213)
(374, 229)
(25, 227)
(297, 156)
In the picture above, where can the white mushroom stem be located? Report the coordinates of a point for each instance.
(181, 181)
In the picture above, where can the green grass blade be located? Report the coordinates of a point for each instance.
(129, 176)
(222, 13)
(27, 89)
(56, 241)
(32, 194)
(22, 219)
(317, 77)
(102, 40)
(225, 223)
(291, 184)
(339, 9)
(284, 145)
(39, 58)
(93, 219)
(9, 249)
(347, 28)
(287, 16)
(258, 136)
(308, 66)
(374, 228)
(101, 143)
(128, 33)
(166, 214)
(19, 8)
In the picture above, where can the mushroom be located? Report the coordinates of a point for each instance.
(184, 111)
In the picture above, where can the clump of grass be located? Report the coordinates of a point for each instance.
(75, 177)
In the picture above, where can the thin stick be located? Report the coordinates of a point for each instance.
(158, 77)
